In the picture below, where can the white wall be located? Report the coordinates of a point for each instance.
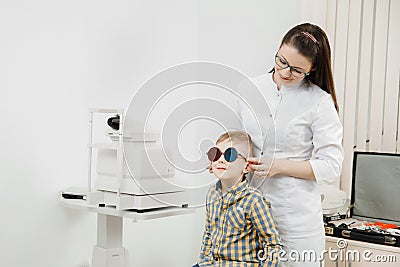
(57, 59)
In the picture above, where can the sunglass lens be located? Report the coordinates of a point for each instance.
(214, 154)
(230, 154)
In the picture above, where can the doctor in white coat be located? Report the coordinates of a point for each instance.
(300, 144)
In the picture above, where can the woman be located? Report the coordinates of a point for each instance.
(307, 148)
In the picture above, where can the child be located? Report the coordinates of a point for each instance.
(239, 230)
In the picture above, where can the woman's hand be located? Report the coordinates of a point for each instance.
(268, 167)
(263, 167)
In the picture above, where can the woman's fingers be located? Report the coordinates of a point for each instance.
(255, 163)
(254, 160)
(257, 167)
(261, 174)
(258, 174)
(261, 166)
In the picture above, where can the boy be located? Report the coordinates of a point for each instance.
(239, 230)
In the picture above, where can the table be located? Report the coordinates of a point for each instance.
(109, 252)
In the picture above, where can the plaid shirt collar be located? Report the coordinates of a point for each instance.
(237, 188)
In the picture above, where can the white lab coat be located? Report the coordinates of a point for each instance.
(303, 125)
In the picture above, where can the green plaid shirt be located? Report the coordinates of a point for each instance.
(239, 225)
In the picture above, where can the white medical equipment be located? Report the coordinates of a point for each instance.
(140, 188)
(144, 181)
(333, 200)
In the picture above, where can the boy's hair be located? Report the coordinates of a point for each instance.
(237, 137)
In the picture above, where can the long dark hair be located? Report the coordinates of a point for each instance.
(312, 42)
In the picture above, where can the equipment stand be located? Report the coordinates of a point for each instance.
(109, 251)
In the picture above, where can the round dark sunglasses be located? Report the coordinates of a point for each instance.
(230, 154)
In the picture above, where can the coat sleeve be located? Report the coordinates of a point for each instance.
(327, 139)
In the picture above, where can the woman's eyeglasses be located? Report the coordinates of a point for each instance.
(230, 154)
(296, 72)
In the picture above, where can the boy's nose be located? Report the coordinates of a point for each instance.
(221, 159)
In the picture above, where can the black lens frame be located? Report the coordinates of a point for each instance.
(291, 68)
(215, 153)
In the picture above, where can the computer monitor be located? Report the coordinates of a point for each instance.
(376, 187)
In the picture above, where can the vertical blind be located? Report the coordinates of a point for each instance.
(365, 40)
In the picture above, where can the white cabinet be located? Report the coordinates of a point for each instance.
(333, 253)
(351, 253)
